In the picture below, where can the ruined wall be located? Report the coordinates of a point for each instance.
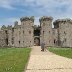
(10, 36)
(55, 37)
(46, 30)
(17, 35)
(4, 36)
(2, 39)
(64, 32)
(27, 36)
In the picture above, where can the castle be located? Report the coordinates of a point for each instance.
(27, 34)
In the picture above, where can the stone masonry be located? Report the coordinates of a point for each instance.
(46, 30)
(27, 34)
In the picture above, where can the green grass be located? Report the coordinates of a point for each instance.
(66, 52)
(13, 59)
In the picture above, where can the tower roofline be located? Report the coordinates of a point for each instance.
(44, 18)
(62, 20)
(27, 18)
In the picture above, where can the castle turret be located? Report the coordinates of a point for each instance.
(3, 27)
(46, 30)
(64, 30)
(27, 39)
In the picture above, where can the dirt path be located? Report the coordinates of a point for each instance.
(47, 62)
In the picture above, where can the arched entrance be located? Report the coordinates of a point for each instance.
(36, 41)
(36, 35)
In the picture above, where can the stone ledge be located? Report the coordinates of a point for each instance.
(63, 20)
(45, 18)
(27, 18)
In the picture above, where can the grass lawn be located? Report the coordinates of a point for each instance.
(13, 59)
(66, 52)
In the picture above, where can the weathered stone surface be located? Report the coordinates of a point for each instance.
(64, 29)
(23, 35)
(46, 31)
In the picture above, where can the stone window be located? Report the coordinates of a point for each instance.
(30, 41)
(23, 41)
(49, 31)
(64, 32)
(54, 41)
(23, 32)
(65, 39)
(43, 32)
(6, 32)
(19, 42)
(29, 32)
(49, 41)
(6, 41)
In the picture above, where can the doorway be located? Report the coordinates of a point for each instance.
(37, 41)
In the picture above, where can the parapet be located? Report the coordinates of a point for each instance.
(9, 27)
(46, 18)
(3, 27)
(27, 18)
(62, 20)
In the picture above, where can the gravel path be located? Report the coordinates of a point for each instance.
(47, 62)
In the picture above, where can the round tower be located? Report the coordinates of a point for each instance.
(46, 30)
(64, 30)
(27, 31)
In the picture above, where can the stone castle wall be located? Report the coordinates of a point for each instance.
(23, 35)
(2, 39)
(46, 30)
(27, 31)
(64, 32)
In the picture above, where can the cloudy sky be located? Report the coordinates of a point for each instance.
(12, 10)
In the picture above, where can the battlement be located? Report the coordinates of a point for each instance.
(62, 20)
(46, 18)
(27, 18)
(3, 27)
(9, 27)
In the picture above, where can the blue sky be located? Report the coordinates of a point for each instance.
(13, 10)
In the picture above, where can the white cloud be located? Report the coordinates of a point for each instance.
(6, 4)
(55, 8)
(9, 21)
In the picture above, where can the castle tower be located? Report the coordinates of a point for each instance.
(4, 36)
(64, 30)
(17, 35)
(10, 35)
(27, 36)
(46, 30)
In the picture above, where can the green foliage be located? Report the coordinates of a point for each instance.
(66, 52)
(13, 59)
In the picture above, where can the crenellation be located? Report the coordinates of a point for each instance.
(3, 27)
(9, 27)
(46, 18)
(27, 18)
